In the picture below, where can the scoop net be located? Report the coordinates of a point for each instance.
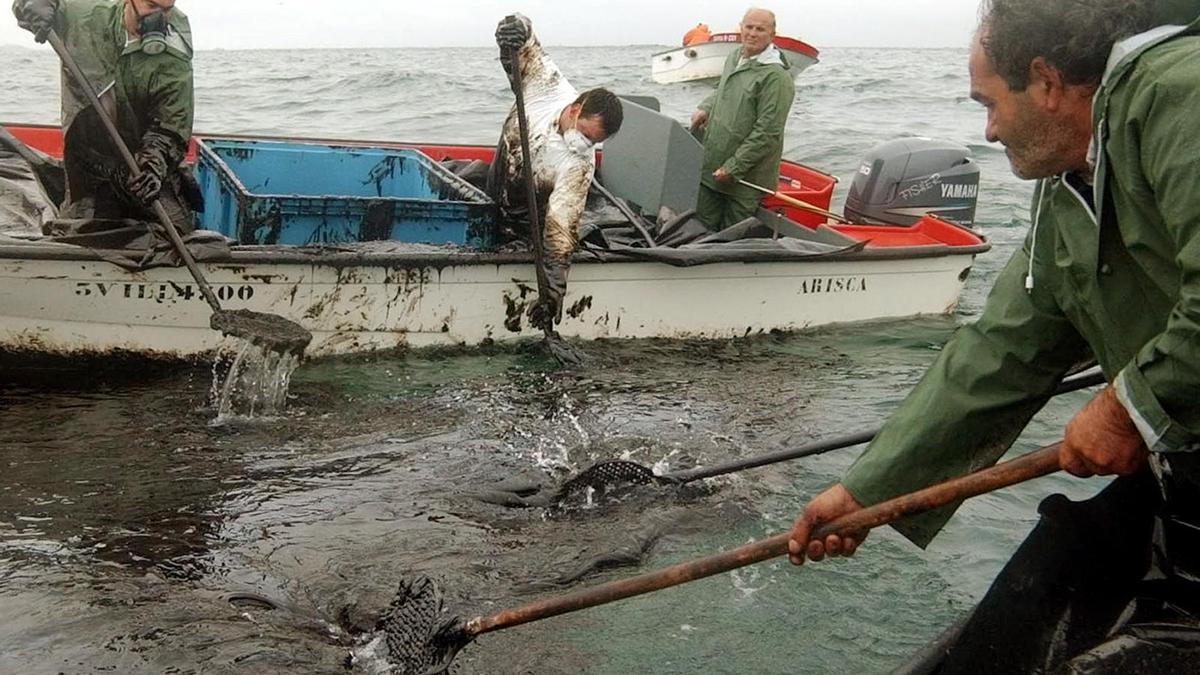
(606, 475)
(270, 331)
(420, 640)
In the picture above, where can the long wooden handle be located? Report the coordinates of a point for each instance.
(800, 204)
(92, 97)
(1088, 378)
(535, 221)
(1033, 465)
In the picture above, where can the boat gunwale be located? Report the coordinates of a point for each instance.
(40, 250)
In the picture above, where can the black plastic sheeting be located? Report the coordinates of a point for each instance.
(688, 242)
(31, 185)
(25, 206)
(606, 233)
(134, 244)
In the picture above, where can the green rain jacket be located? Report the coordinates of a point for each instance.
(152, 96)
(1177, 11)
(1120, 283)
(746, 116)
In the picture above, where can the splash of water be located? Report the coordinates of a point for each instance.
(552, 450)
(251, 382)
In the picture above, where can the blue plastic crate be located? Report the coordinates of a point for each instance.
(283, 192)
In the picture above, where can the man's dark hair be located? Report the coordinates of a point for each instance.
(1074, 36)
(604, 103)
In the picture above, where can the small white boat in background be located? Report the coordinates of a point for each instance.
(704, 60)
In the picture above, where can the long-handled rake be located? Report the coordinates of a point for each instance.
(418, 643)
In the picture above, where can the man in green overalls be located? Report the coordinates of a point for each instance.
(138, 55)
(1099, 101)
(743, 123)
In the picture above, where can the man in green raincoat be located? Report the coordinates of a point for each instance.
(743, 124)
(1098, 101)
(138, 55)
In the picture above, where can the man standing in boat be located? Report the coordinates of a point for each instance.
(1098, 102)
(138, 54)
(743, 123)
(564, 127)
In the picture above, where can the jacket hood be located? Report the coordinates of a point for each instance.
(1120, 60)
(1127, 50)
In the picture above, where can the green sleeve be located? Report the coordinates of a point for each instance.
(971, 405)
(1179, 12)
(63, 15)
(60, 20)
(1161, 386)
(172, 96)
(774, 105)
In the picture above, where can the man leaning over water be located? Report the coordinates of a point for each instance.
(1097, 101)
(564, 127)
(138, 54)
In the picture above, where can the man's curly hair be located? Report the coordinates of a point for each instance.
(1074, 36)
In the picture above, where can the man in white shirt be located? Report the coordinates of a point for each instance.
(564, 125)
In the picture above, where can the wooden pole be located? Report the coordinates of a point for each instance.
(1033, 465)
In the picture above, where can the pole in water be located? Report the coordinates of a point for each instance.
(554, 343)
(442, 641)
(611, 473)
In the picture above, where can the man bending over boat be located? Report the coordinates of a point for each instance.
(743, 124)
(1097, 101)
(564, 125)
(138, 54)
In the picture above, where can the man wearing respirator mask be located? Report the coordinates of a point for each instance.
(564, 125)
(138, 55)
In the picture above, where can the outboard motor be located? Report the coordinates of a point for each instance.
(902, 180)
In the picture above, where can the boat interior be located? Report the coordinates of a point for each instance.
(286, 193)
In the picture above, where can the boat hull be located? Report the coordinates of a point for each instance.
(704, 62)
(58, 302)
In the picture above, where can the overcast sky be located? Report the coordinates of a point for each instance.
(241, 24)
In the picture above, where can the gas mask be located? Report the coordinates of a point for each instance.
(577, 142)
(153, 29)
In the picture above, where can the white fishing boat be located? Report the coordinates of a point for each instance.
(60, 299)
(69, 300)
(704, 61)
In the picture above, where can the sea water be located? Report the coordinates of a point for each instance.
(126, 518)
